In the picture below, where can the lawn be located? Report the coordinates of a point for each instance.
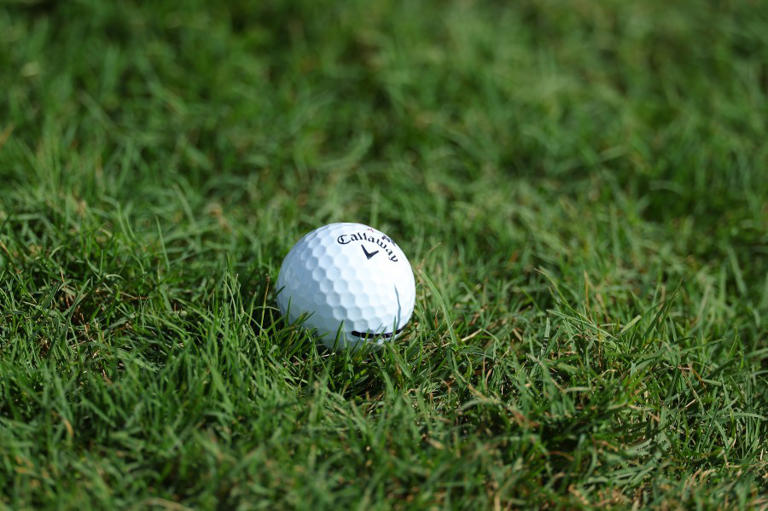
(581, 187)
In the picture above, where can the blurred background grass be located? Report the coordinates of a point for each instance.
(581, 187)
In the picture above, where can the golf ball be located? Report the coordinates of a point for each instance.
(349, 283)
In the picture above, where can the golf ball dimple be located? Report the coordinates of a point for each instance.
(349, 283)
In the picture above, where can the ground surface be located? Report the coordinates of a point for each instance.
(581, 187)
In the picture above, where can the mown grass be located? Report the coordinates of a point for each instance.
(581, 188)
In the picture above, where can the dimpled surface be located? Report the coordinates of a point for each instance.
(347, 279)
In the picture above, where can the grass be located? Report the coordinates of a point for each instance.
(581, 188)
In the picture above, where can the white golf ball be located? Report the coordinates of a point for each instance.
(349, 283)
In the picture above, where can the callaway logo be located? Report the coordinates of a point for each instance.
(365, 335)
(368, 254)
(371, 236)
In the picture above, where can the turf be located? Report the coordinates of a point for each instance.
(582, 188)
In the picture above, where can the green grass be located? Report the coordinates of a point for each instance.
(582, 188)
